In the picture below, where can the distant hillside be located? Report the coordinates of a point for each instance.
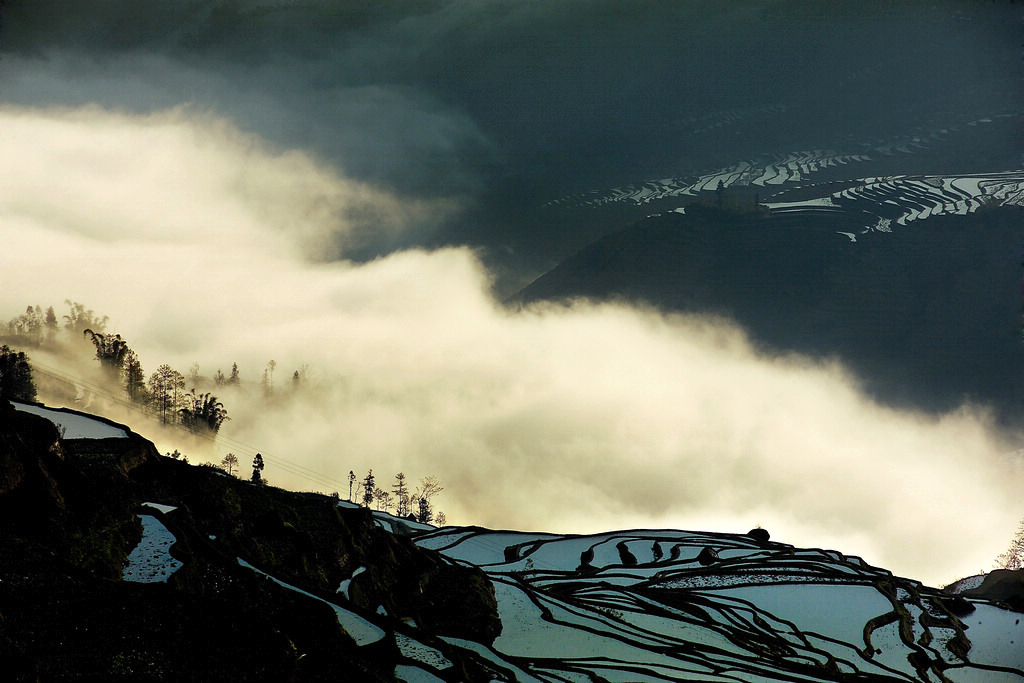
(927, 313)
(118, 564)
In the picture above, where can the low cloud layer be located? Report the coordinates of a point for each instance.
(196, 240)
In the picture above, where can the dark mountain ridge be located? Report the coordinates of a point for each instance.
(926, 314)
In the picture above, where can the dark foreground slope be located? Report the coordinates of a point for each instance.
(117, 564)
(73, 608)
(926, 313)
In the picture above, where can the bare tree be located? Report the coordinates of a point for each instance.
(229, 463)
(429, 487)
(383, 500)
(1013, 558)
(164, 387)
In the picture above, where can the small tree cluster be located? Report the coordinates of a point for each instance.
(405, 503)
(202, 412)
(111, 350)
(37, 327)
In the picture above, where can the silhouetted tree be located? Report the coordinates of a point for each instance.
(423, 514)
(203, 412)
(257, 469)
(429, 487)
(270, 368)
(441, 519)
(78, 319)
(16, 376)
(134, 378)
(351, 482)
(229, 463)
(218, 378)
(401, 492)
(50, 323)
(1013, 558)
(110, 350)
(368, 488)
(165, 386)
(383, 499)
(233, 377)
(28, 325)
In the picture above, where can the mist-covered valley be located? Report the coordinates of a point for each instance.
(355, 191)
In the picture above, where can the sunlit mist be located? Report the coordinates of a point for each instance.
(200, 241)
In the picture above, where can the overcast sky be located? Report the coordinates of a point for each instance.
(238, 182)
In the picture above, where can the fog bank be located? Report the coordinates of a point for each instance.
(200, 242)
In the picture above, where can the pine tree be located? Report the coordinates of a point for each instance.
(257, 469)
(134, 378)
(233, 377)
(368, 488)
(401, 492)
(351, 482)
(51, 323)
(424, 515)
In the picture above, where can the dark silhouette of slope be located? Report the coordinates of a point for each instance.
(927, 315)
(70, 512)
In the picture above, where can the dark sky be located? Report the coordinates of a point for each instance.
(503, 106)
